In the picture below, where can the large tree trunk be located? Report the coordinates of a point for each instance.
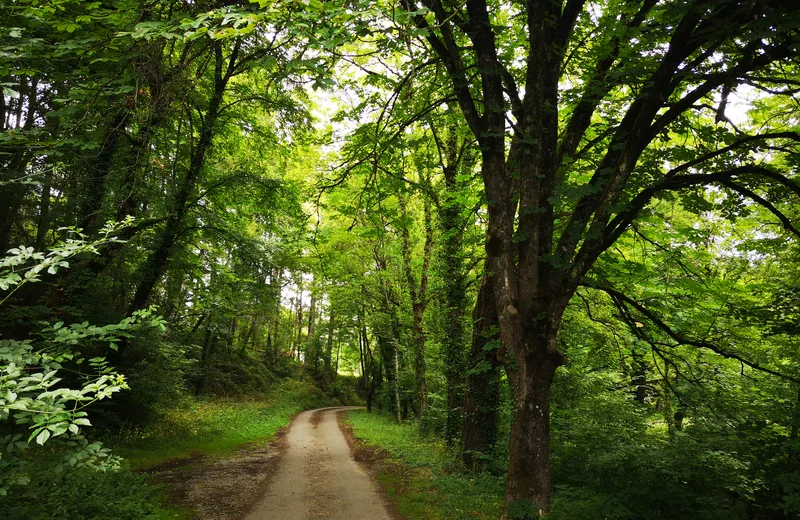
(94, 184)
(482, 397)
(528, 481)
(453, 347)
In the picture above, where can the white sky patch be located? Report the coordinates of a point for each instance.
(291, 291)
(740, 102)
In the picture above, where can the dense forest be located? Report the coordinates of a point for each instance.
(560, 237)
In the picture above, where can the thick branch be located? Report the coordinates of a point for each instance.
(597, 88)
(623, 219)
(763, 202)
(448, 51)
(682, 340)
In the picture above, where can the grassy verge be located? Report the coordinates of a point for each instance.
(218, 426)
(419, 475)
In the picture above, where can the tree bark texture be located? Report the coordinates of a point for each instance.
(528, 482)
(482, 396)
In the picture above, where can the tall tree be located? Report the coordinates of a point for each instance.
(565, 174)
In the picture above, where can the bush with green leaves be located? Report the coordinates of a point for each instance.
(85, 494)
(46, 385)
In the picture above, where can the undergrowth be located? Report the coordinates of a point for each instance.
(87, 495)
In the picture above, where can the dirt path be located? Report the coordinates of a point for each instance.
(318, 478)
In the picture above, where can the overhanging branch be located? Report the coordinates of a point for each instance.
(683, 340)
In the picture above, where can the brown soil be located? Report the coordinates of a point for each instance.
(220, 488)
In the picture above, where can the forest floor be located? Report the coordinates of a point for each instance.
(220, 488)
(307, 471)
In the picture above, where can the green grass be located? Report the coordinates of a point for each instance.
(420, 475)
(216, 426)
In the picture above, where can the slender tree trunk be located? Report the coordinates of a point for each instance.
(794, 452)
(249, 334)
(290, 332)
(338, 353)
(312, 318)
(639, 376)
(795, 417)
(199, 322)
(377, 380)
(368, 361)
(482, 398)
(329, 352)
(205, 357)
(43, 222)
(666, 401)
(298, 344)
(396, 384)
(388, 351)
(361, 354)
(419, 297)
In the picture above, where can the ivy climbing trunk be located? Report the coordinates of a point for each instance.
(453, 350)
(419, 296)
(482, 396)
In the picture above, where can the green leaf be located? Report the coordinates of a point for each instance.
(43, 436)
